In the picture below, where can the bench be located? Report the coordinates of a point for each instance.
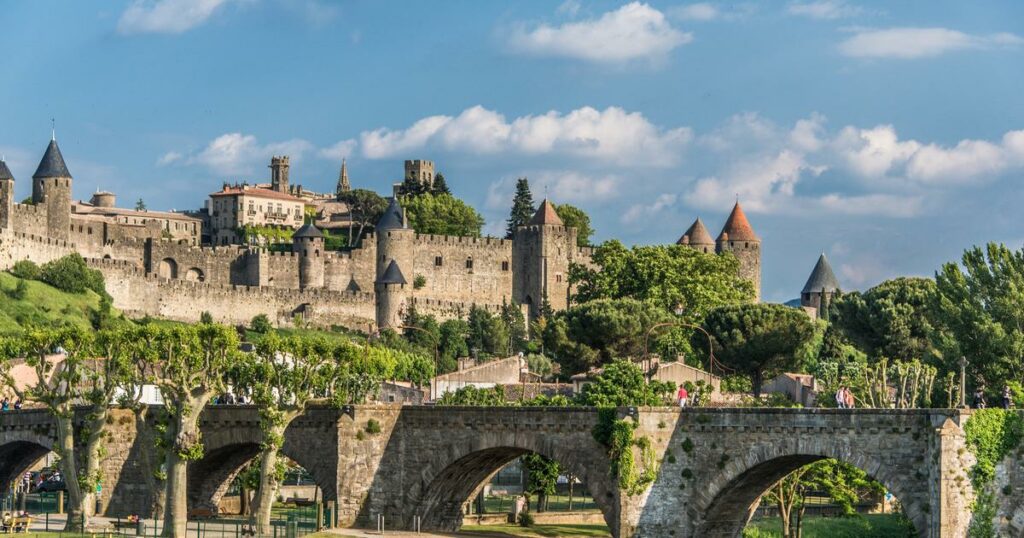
(299, 501)
(18, 525)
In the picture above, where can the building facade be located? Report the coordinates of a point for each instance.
(240, 205)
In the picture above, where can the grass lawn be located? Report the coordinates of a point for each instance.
(867, 526)
(556, 503)
(536, 530)
(42, 304)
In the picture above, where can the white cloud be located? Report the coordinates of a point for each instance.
(339, 151)
(237, 153)
(562, 186)
(824, 9)
(637, 212)
(166, 16)
(633, 31)
(569, 7)
(910, 43)
(170, 157)
(611, 135)
(873, 153)
(702, 11)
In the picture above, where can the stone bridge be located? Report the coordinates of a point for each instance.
(404, 462)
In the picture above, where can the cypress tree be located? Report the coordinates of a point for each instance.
(522, 207)
(440, 185)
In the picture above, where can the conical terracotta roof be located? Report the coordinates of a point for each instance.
(696, 234)
(822, 278)
(546, 214)
(737, 227)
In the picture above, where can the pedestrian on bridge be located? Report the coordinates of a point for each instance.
(683, 395)
(1007, 397)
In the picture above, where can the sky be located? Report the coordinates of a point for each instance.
(887, 135)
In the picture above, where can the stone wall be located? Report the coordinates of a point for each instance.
(472, 269)
(16, 246)
(30, 219)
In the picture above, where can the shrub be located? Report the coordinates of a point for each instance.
(26, 269)
(372, 427)
(19, 292)
(70, 274)
(525, 519)
(419, 282)
(206, 317)
(261, 324)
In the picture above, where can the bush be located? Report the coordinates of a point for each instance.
(206, 317)
(372, 427)
(525, 519)
(261, 324)
(19, 292)
(70, 274)
(26, 269)
(419, 282)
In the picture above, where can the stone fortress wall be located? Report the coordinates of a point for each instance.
(150, 274)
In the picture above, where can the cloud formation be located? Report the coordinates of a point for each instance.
(166, 16)
(634, 31)
(238, 154)
(824, 9)
(912, 43)
(702, 11)
(612, 135)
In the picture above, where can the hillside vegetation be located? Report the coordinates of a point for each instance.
(43, 304)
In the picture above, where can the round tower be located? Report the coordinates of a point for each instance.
(392, 291)
(6, 196)
(51, 187)
(738, 237)
(103, 199)
(697, 238)
(395, 240)
(821, 286)
(308, 246)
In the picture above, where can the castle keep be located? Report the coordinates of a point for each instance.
(155, 264)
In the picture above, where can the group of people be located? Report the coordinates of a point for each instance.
(5, 405)
(844, 398)
(978, 400)
(230, 399)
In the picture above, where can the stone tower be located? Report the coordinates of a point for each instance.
(308, 246)
(422, 171)
(343, 184)
(542, 251)
(279, 173)
(738, 237)
(821, 286)
(51, 187)
(395, 240)
(6, 196)
(697, 238)
(391, 290)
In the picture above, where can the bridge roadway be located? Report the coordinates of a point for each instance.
(713, 464)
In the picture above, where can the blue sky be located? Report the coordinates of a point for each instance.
(888, 135)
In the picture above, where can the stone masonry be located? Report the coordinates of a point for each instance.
(714, 464)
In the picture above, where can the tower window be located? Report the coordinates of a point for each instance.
(504, 266)
(469, 263)
(438, 261)
(558, 277)
(746, 245)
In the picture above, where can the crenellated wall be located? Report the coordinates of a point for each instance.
(474, 269)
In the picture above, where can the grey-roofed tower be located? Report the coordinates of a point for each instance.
(821, 286)
(395, 240)
(6, 195)
(51, 188)
(392, 291)
(308, 246)
(697, 237)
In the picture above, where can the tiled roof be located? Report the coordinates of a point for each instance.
(52, 164)
(697, 234)
(257, 192)
(546, 214)
(737, 227)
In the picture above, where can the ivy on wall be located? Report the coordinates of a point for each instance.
(991, 435)
(617, 435)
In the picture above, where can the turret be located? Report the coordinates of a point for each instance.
(308, 246)
(103, 199)
(6, 196)
(542, 251)
(51, 188)
(391, 291)
(279, 167)
(395, 240)
(821, 286)
(697, 237)
(738, 237)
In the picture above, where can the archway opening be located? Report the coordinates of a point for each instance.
(507, 485)
(809, 495)
(31, 479)
(195, 274)
(168, 268)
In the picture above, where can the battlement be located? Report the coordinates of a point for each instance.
(43, 240)
(446, 305)
(471, 242)
(30, 209)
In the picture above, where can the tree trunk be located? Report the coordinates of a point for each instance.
(92, 460)
(780, 499)
(265, 494)
(77, 519)
(186, 432)
(150, 462)
(756, 380)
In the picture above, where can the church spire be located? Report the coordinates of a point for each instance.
(343, 184)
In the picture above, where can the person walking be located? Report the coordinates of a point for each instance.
(683, 395)
(848, 398)
(841, 398)
(978, 401)
(5, 405)
(1007, 397)
(17, 404)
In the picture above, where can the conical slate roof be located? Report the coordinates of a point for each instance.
(822, 278)
(392, 275)
(737, 227)
(52, 164)
(5, 173)
(392, 217)
(696, 234)
(546, 214)
(307, 230)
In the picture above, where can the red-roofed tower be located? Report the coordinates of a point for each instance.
(542, 252)
(738, 237)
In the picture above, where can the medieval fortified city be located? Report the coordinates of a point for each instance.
(602, 269)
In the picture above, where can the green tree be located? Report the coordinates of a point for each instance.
(440, 185)
(140, 205)
(980, 308)
(488, 334)
(72, 275)
(470, 395)
(283, 375)
(576, 218)
(522, 207)
(442, 214)
(452, 344)
(893, 319)
(541, 478)
(844, 484)
(670, 276)
(514, 319)
(759, 340)
(622, 383)
(365, 208)
(26, 270)
(261, 324)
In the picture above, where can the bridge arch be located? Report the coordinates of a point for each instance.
(19, 449)
(730, 497)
